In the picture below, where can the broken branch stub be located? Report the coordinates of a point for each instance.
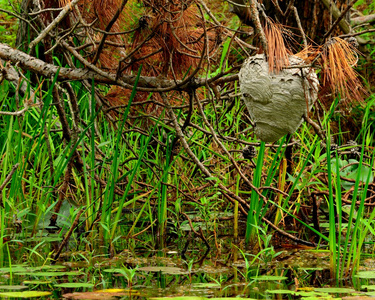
(277, 102)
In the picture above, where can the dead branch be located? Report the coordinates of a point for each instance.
(343, 24)
(339, 18)
(362, 20)
(54, 23)
(6, 180)
(107, 29)
(145, 83)
(258, 27)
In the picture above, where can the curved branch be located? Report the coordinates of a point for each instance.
(145, 84)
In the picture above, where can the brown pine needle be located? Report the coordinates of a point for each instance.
(277, 51)
(338, 60)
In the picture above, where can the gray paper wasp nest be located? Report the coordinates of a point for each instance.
(277, 102)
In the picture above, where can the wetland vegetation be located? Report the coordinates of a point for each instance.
(132, 168)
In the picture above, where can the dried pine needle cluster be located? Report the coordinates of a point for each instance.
(277, 51)
(338, 59)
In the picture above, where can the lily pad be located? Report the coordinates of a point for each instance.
(179, 298)
(12, 287)
(117, 291)
(269, 277)
(74, 285)
(102, 294)
(335, 290)
(280, 292)
(365, 274)
(37, 282)
(231, 298)
(26, 294)
(210, 285)
(299, 293)
(327, 297)
(51, 274)
(315, 295)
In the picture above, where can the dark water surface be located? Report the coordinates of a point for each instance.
(220, 273)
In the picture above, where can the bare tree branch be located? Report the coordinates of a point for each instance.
(343, 24)
(145, 83)
(54, 23)
(363, 19)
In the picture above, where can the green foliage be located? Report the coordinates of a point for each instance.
(133, 178)
(8, 24)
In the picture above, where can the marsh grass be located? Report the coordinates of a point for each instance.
(136, 181)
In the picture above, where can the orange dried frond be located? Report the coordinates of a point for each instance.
(338, 60)
(277, 51)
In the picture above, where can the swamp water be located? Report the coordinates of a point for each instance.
(227, 273)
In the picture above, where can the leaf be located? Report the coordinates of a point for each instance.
(117, 291)
(13, 269)
(74, 285)
(179, 298)
(12, 287)
(165, 270)
(280, 292)
(210, 285)
(37, 282)
(51, 274)
(26, 294)
(357, 298)
(112, 270)
(365, 274)
(212, 178)
(231, 298)
(269, 277)
(335, 290)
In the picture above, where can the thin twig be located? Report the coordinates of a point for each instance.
(54, 23)
(107, 29)
(217, 140)
(357, 33)
(15, 113)
(67, 236)
(228, 194)
(300, 27)
(328, 33)
(143, 230)
(292, 237)
(6, 180)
